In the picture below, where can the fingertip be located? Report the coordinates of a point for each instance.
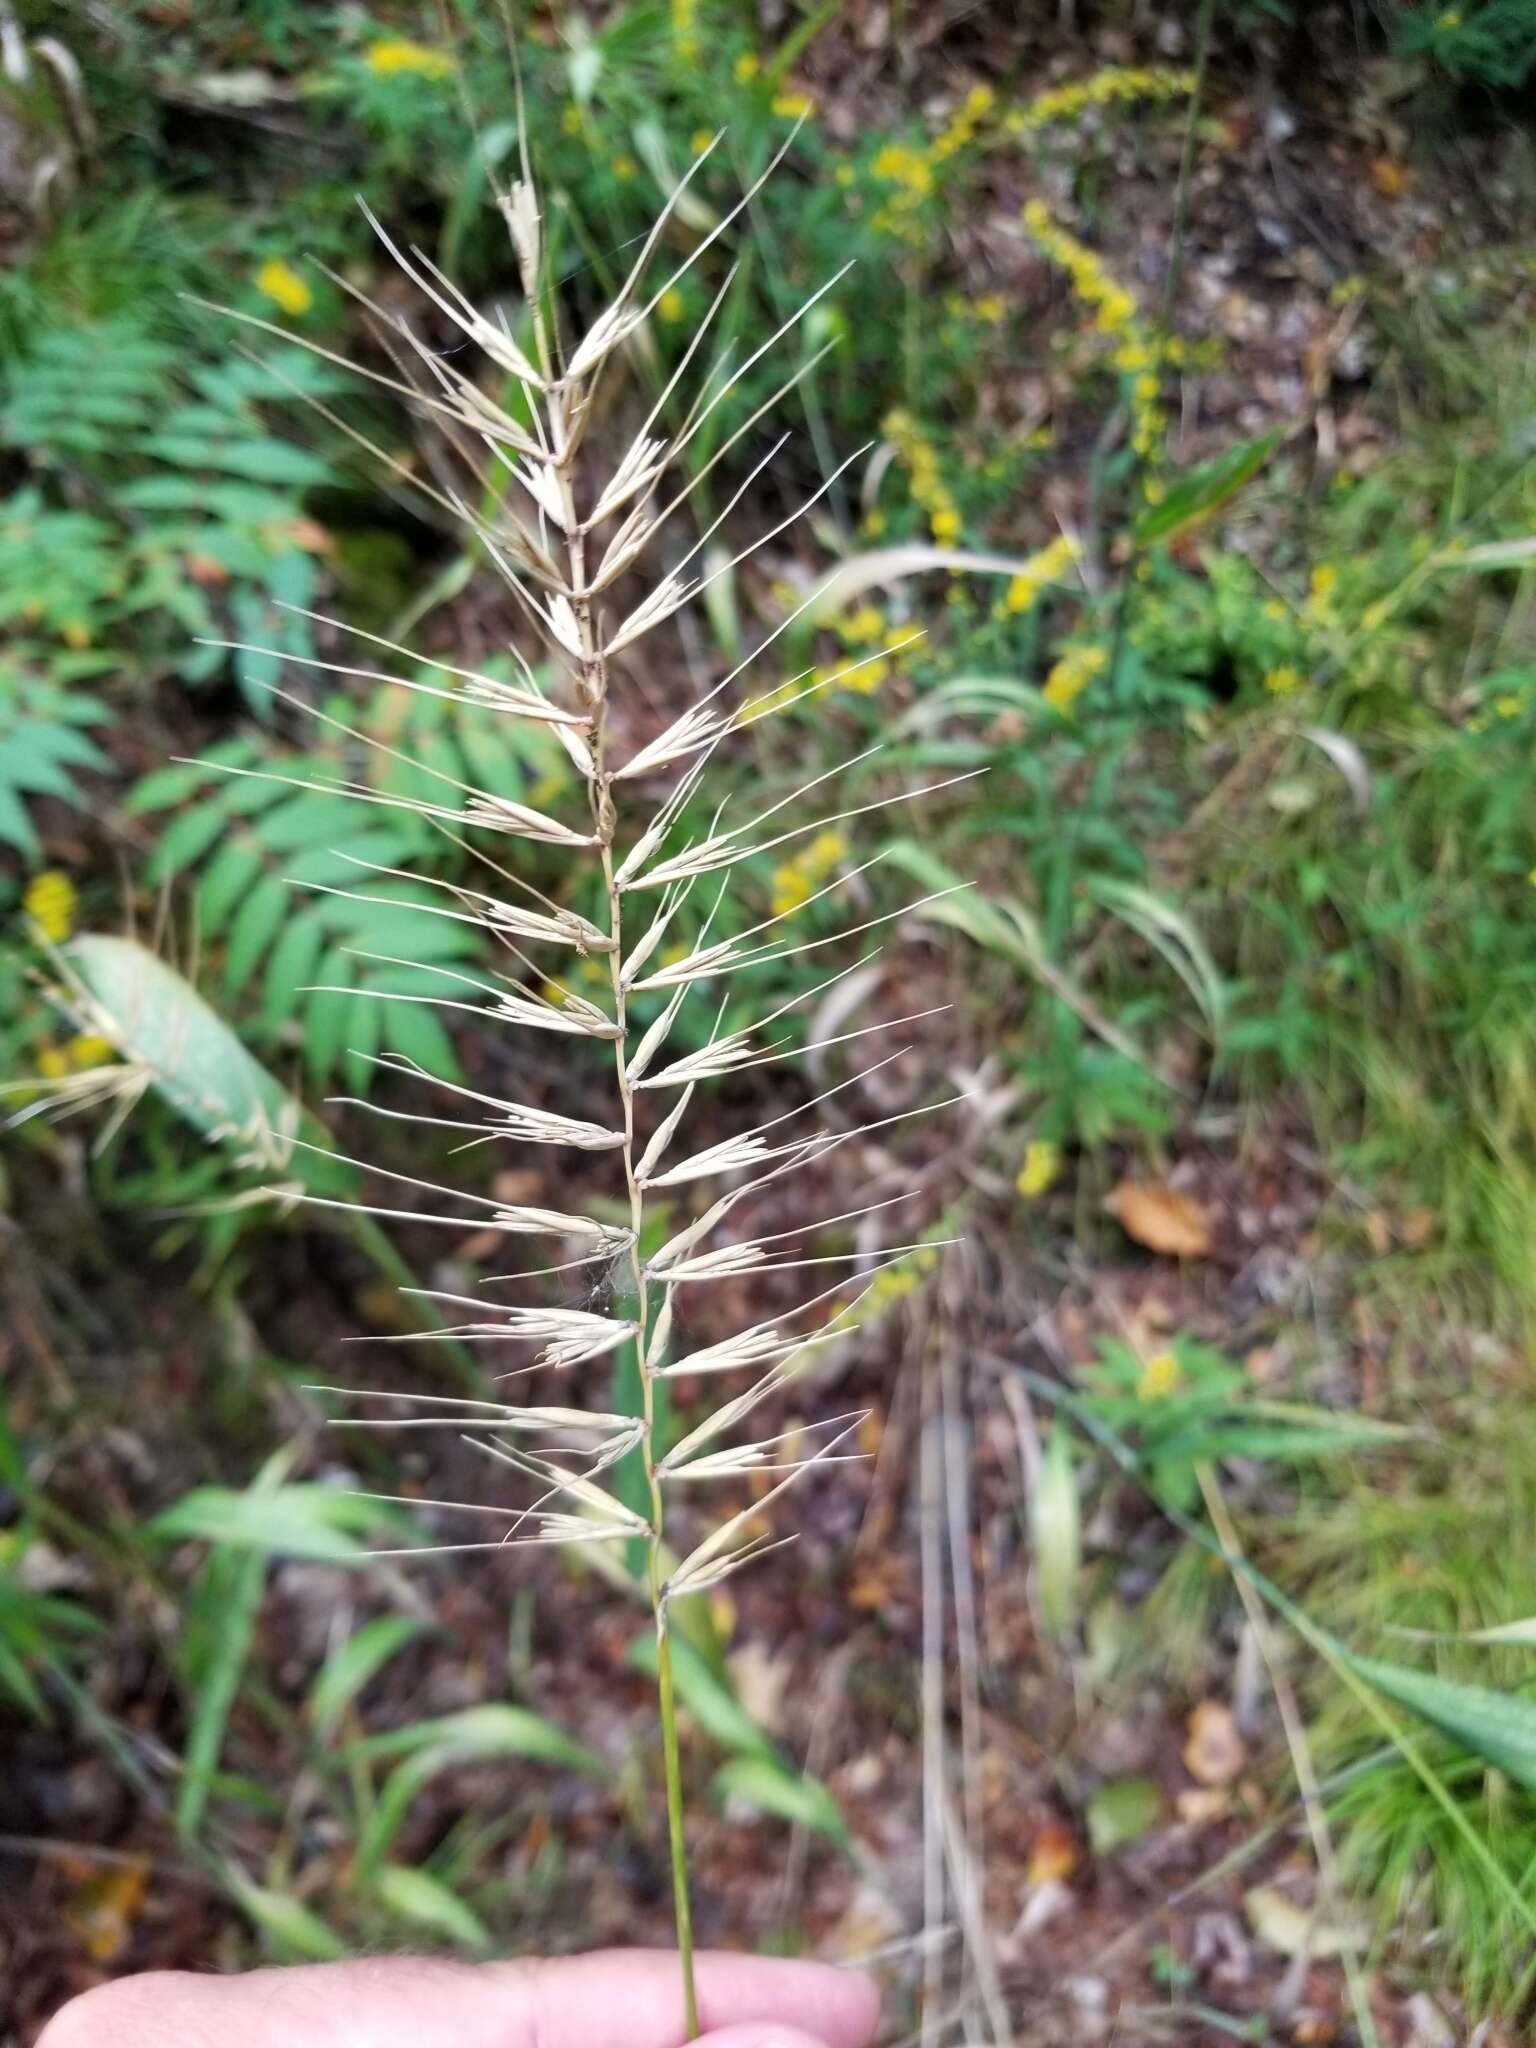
(861, 1995)
(760, 2034)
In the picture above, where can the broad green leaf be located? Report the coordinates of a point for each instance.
(1204, 489)
(353, 1663)
(1121, 1811)
(157, 1019)
(425, 1901)
(320, 1522)
(1498, 1727)
(804, 1802)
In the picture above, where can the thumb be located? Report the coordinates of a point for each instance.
(758, 2034)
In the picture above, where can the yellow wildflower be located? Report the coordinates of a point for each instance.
(50, 902)
(623, 168)
(672, 306)
(793, 106)
(947, 525)
(1071, 675)
(1284, 681)
(867, 623)
(1105, 88)
(685, 38)
(53, 1063)
(1160, 1377)
(866, 678)
(1040, 1168)
(90, 1049)
(1509, 706)
(745, 68)
(282, 284)
(397, 54)
(796, 881)
(990, 308)
(1040, 569)
(700, 140)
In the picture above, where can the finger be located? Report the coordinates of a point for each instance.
(621, 1998)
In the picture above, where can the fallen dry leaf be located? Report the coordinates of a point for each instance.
(1198, 1806)
(1290, 1929)
(1215, 1752)
(1162, 1219)
(1389, 176)
(1053, 1854)
(103, 1910)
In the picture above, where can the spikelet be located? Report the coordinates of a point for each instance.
(566, 527)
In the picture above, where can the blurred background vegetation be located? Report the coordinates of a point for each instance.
(1187, 368)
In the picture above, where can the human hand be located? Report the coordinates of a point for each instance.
(617, 1998)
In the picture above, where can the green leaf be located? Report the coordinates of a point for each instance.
(1121, 1811)
(294, 1932)
(494, 1730)
(1056, 1536)
(1204, 489)
(804, 1802)
(308, 1521)
(425, 1901)
(155, 1018)
(708, 1699)
(1498, 1727)
(353, 1663)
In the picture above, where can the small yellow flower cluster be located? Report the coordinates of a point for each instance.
(1040, 1169)
(672, 306)
(685, 29)
(1139, 353)
(1284, 681)
(50, 903)
(1070, 676)
(917, 457)
(963, 124)
(909, 171)
(1450, 20)
(796, 881)
(896, 1283)
(624, 168)
(793, 106)
(587, 977)
(87, 1050)
(396, 55)
(282, 284)
(1161, 1377)
(746, 67)
(1321, 586)
(1104, 89)
(857, 629)
(1048, 566)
